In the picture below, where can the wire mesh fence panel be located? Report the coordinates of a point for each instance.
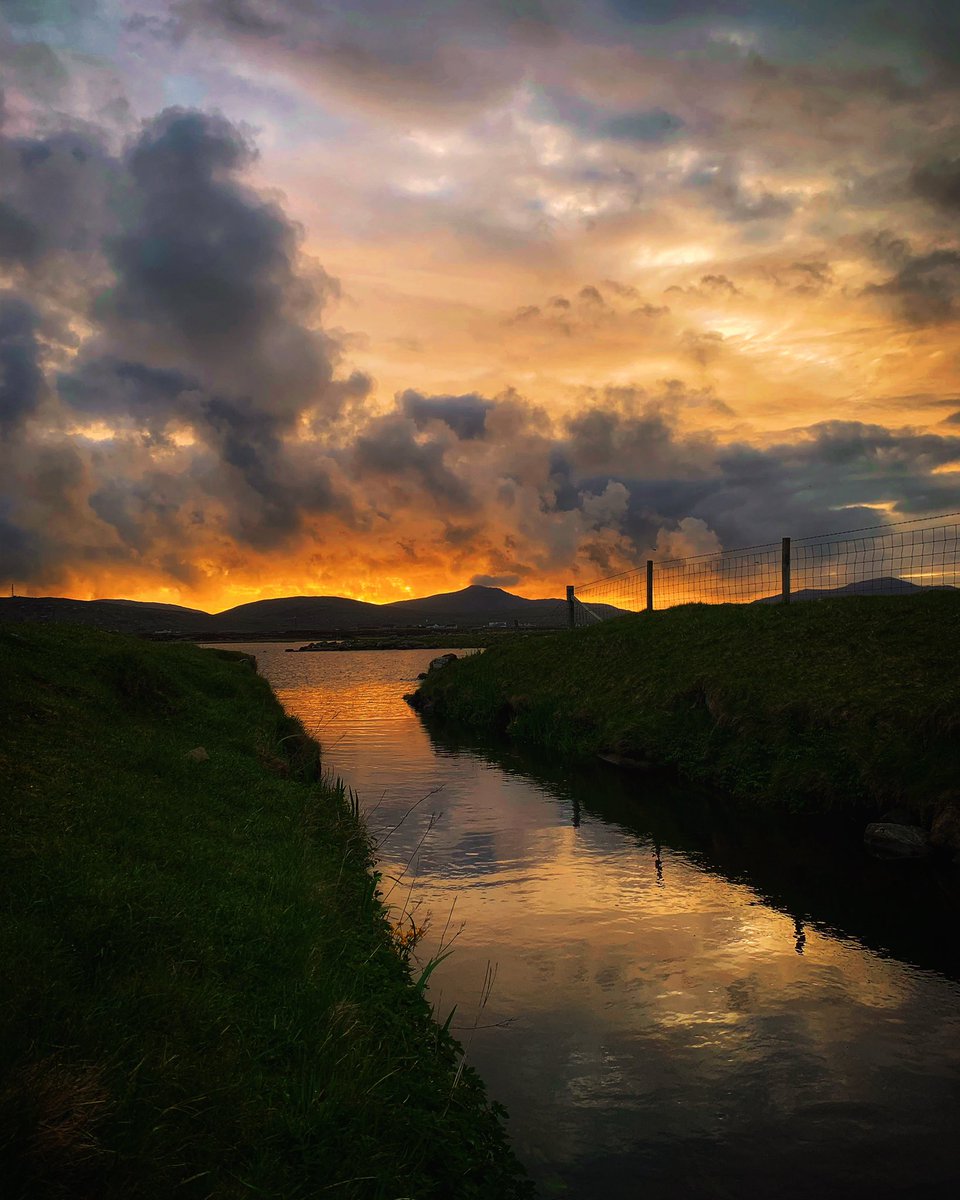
(737, 577)
(611, 597)
(893, 559)
(885, 562)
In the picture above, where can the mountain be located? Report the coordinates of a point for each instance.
(882, 585)
(301, 612)
(120, 616)
(467, 608)
(477, 605)
(294, 615)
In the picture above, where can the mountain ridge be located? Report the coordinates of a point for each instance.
(292, 614)
(297, 616)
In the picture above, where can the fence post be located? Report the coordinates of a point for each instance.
(571, 607)
(785, 571)
(649, 585)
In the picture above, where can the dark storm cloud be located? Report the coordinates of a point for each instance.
(21, 374)
(925, 287)
(939, 182)
(54, 193)
(198, 318)
(607, 435)
(210, 266)
(20, 552)
(19, 236)
(388, 448)
(209, 325)
(828, 480)
(465, 415)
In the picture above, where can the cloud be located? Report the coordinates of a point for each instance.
(712, 286)
(389, 448)
(57, 196)
(939, 183)
(925, 287)
(21, 374)
(210, 323)
(465, 415)
(430, 60)
(589, 312)
(495, 581)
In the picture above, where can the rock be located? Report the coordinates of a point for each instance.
(945, 830)
(442, 661)
(422, 675)
(896, 816)
(197, 754)
(886, 839)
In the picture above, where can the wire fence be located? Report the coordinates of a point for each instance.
(892, 559)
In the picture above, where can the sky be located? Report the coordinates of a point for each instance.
(380, 298)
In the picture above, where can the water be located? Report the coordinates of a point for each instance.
(684, 1003)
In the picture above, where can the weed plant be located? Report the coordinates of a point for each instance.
(201, 992)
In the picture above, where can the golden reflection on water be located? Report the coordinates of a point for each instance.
(649, 1014)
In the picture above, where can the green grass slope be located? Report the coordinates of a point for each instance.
(201, 995)
(842, 703)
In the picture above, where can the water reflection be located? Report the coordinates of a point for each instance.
(683, 1000)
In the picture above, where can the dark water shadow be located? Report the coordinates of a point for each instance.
(813, 869)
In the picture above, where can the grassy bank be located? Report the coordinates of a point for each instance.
(201, 995)
(840, 704)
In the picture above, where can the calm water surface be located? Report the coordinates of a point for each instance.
(682, 1006)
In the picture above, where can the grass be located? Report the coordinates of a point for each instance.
(201, 994)
(834, 704)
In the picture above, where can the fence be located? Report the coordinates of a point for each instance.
(890, 559)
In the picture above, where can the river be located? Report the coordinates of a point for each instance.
(669, 999)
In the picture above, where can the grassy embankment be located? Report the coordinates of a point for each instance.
(844, 703)
(201, 994)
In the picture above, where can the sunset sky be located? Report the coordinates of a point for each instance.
(386, 297)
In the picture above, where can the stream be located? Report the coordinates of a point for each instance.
(670, 998)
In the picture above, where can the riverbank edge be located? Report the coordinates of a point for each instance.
(203, 991)
(847, 705)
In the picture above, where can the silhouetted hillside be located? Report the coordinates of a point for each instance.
(119, 616)
(884, 585)
(295, 615)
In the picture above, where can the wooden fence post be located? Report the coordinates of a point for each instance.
(785, 571)
(571, 607)
(649, 585)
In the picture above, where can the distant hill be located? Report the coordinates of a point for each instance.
(301, 612)
(121, 616)
(468, 608)
(295, 615)
(883, 585)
